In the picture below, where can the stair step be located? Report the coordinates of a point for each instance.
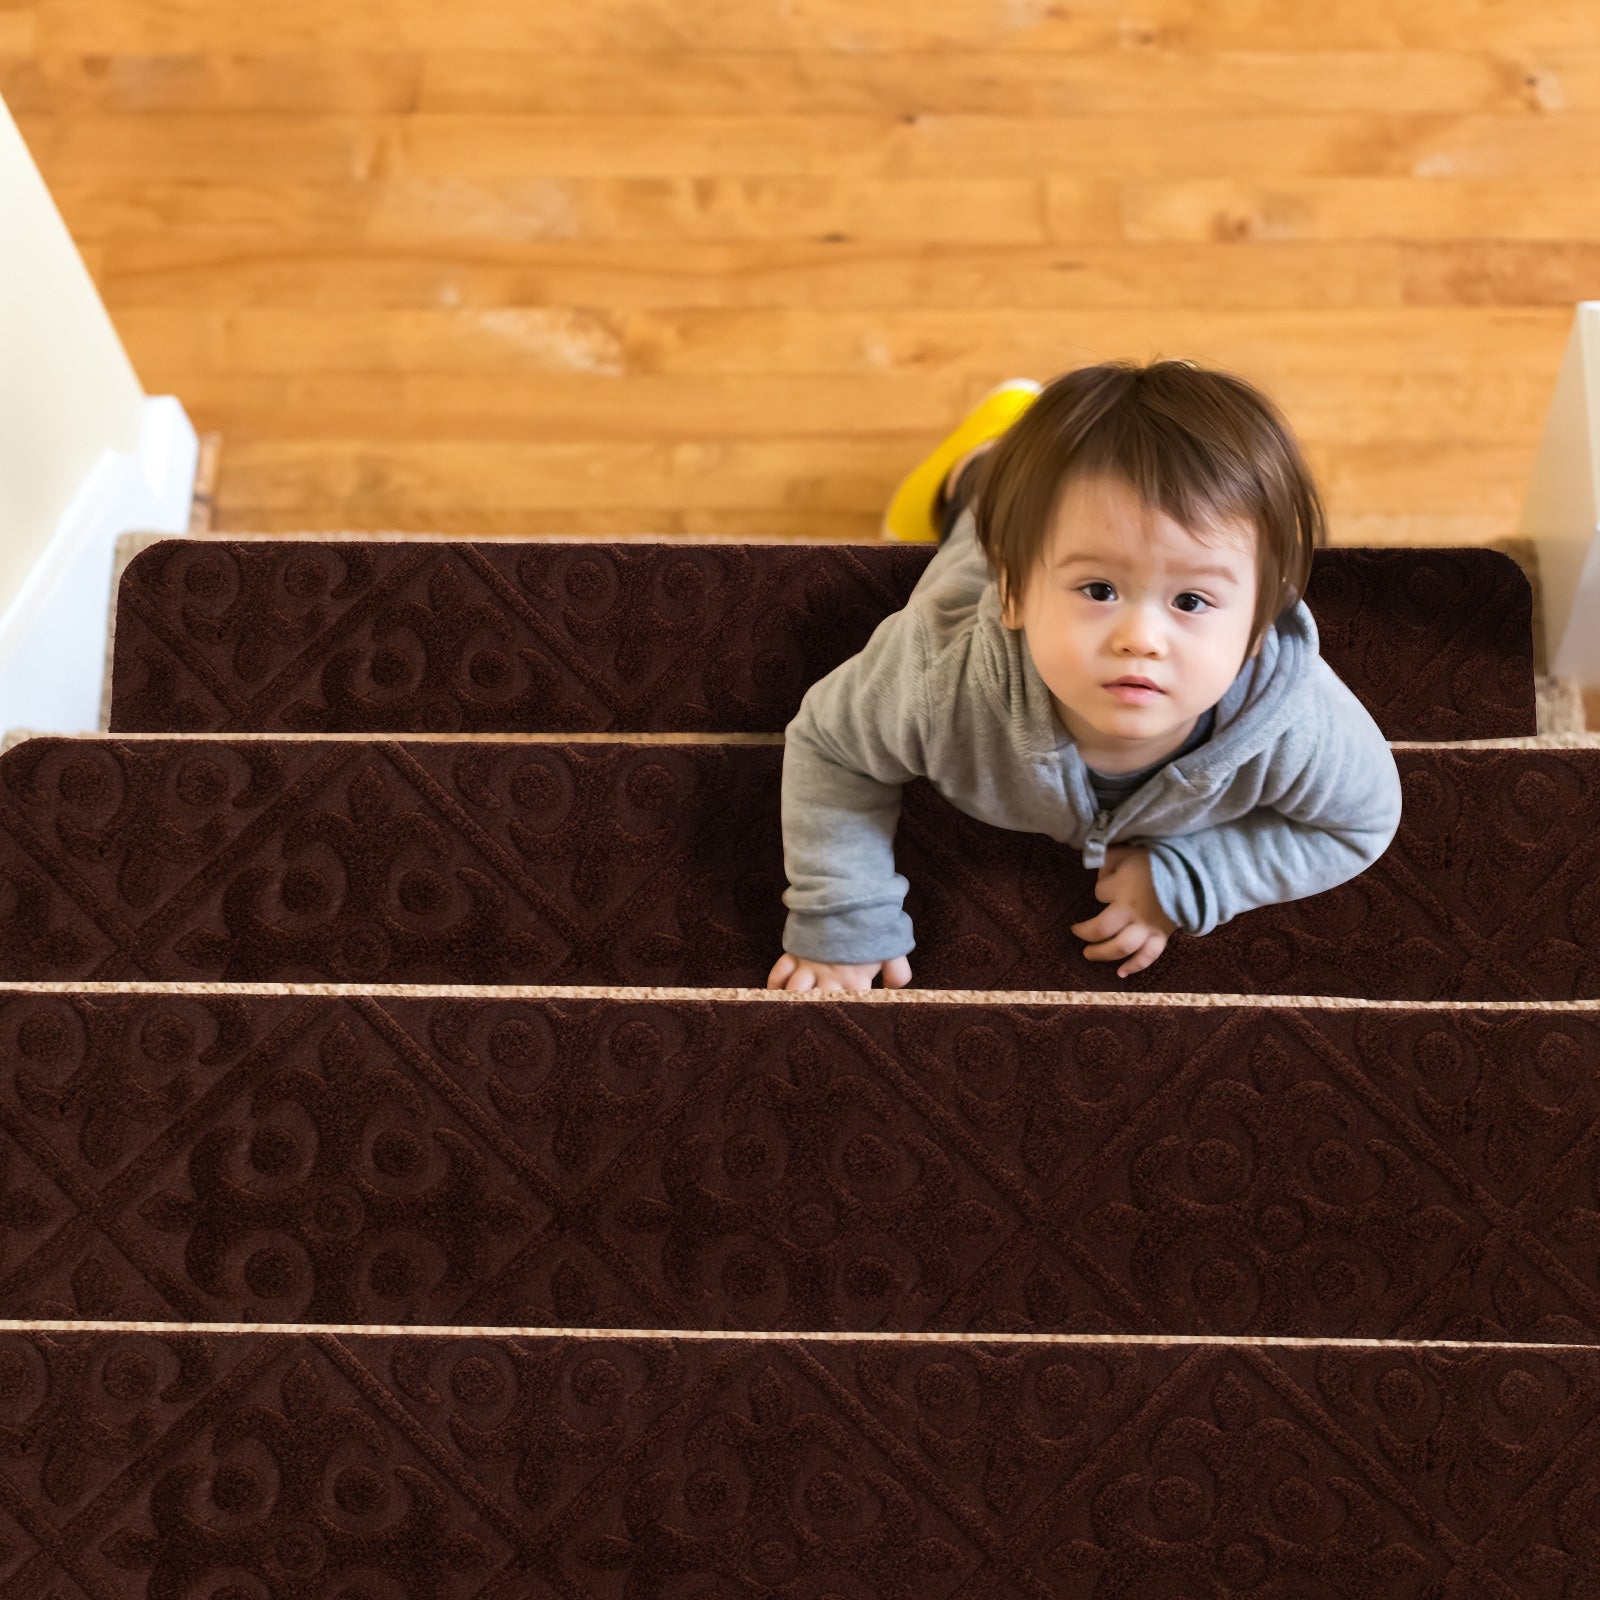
(512, 1464)
(1061, 1164)
(639, 635)
(640, 862)
(611, 1272)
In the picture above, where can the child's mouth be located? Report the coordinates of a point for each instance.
(1133, 692)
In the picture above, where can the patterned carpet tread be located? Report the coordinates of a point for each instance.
(321, 1465)
(1230, 1169)
(648, 636)
(361, 861)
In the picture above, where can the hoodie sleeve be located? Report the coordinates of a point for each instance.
(1335, 816)
(857, 739)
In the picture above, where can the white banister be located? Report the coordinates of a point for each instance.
(1561, 513)
(84, 456)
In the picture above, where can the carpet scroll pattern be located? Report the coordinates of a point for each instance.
(434, 862)
(585, 636)
(849, 1167)
(386, 1294)
(505, 1466)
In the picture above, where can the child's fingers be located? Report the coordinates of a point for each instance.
(1122, 944)
(896, 973)
(1144, 956)
(1141, 958)
(1112, 920)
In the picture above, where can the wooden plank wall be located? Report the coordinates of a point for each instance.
(730, 266)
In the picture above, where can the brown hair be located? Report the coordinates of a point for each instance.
(1200, 445)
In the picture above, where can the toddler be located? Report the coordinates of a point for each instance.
(1109, 648)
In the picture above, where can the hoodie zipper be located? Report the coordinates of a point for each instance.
(1094, 847)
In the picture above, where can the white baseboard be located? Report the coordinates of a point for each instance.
(53, 633)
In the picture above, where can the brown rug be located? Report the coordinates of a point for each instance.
(777, 1163)
(669, 636)
(624, 1291)
(616, 862)
(504, 1467)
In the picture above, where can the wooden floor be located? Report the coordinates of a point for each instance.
(731, 267)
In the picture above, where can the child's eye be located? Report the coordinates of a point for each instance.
(1188, 594)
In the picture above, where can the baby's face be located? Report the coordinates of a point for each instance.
(1126, 591)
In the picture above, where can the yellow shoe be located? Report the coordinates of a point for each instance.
(910, 513)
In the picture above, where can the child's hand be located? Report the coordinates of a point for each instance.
(1133, 923)
(796, 972)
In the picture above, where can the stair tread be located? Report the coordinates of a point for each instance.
(577, 1466)
(612, 1162)
(654, 635)
(625, 1272)
(365, 861)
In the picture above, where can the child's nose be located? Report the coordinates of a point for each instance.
(1138, 630)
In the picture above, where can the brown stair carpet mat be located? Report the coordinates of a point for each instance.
(1028, 1281)
(659, 636)
(254, 1466)
(617, 862)
(1322, 1170)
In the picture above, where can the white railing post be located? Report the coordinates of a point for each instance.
(1561, 513)
(85, 455)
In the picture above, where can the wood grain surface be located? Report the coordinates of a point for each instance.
(630, 266)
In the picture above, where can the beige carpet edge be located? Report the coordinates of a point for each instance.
(894, 997)
(769, 1336)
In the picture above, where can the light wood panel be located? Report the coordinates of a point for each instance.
(633, 266)
(239, 146)
(716, 81)
(1471, 479)
(846, 26)
(575, 407)
(999, 211)
(758, 340)
(173, 268)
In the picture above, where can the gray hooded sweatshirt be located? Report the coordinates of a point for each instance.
(1294, 792)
